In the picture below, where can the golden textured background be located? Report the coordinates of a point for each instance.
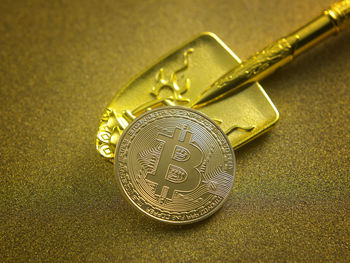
(61, 62)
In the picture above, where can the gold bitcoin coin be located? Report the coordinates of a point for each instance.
(175, 165)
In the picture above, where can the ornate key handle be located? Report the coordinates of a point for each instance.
(279, 53)
(255, 68)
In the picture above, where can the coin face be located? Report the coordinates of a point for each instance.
(175, 165)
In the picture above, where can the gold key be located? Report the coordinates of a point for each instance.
(174, 124)
(206, 75)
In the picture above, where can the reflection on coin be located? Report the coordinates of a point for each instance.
(175, 165)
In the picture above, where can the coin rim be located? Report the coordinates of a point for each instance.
(143, 212)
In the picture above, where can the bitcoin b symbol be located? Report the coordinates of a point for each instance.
(176, 170)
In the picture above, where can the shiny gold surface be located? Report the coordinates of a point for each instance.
(61, 62)
(277, 54)
(207, 78)
(177, 79)
(175, 165)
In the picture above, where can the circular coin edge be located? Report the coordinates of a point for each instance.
(143, 212)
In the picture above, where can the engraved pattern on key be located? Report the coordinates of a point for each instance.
(113, 123)
(175, 165)
(162, 83)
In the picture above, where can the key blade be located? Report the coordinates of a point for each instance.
(178, 79)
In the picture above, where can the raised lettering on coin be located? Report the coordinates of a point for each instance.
(175, 165)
